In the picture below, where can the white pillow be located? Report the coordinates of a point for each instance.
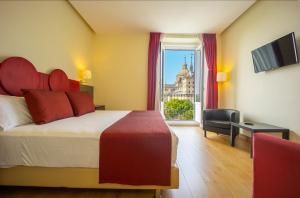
(13, 112)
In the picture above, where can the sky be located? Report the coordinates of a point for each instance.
(173, 63)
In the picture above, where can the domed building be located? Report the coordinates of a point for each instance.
(183, 88)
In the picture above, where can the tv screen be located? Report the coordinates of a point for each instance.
(278, 53)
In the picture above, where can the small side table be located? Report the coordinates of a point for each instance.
(99, 107)
(256, 127)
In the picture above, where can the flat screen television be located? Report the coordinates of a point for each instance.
(278, 53)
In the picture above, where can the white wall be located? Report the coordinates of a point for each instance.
(272, 97)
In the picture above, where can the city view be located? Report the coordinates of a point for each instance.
(179, 86)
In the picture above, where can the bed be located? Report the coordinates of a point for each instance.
(63, 153)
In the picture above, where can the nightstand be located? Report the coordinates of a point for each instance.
(99, 107)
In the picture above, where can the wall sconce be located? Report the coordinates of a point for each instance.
(221, 77)
(86, 75)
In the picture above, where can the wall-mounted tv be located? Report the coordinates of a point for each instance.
(278, 53)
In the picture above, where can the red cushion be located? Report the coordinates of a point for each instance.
(81, 102)
(46, 106)
(58, 80)
(74, 85)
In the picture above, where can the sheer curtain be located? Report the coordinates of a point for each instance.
(158, 82)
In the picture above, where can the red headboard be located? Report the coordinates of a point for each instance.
(17, 73)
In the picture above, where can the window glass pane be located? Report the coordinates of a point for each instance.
(178, 84)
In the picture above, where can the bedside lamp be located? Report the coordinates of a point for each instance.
(221, 77)
(86, 75)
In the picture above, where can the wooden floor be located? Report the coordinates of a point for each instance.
(209, 167)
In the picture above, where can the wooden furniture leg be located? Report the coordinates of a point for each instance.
(205, 134)
(157, 193)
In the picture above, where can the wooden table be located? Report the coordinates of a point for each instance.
(256, 127)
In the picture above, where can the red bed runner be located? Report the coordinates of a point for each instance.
(136, 150)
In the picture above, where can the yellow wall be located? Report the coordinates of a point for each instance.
(219, 67)
(48, 33)
(273, 96)
(52, 35)
(120, 70)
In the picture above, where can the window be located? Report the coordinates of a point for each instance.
(181, 79)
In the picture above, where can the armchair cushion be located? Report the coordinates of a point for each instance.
(218, 124)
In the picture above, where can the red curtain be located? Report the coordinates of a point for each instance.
(153, 51)
(210, 49)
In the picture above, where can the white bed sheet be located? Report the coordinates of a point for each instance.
(71, 142)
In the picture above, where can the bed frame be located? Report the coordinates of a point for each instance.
(71, 178)
(23, 75)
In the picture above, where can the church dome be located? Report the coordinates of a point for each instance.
(184, 71)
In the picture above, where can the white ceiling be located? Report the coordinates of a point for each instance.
(161, 16)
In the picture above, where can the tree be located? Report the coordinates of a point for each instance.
(178, 109)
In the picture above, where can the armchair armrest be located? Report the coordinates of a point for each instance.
(235, 116)
(276, 167)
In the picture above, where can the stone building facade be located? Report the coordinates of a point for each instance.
(184, 86)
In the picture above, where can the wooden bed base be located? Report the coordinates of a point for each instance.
(70, 178)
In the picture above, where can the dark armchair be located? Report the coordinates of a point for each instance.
(219, 121)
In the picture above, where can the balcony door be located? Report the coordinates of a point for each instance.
(181, 83)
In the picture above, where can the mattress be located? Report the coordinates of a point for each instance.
(70, 142)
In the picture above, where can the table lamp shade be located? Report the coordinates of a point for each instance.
(87, 75)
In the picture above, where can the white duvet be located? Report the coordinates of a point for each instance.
(71, 142)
